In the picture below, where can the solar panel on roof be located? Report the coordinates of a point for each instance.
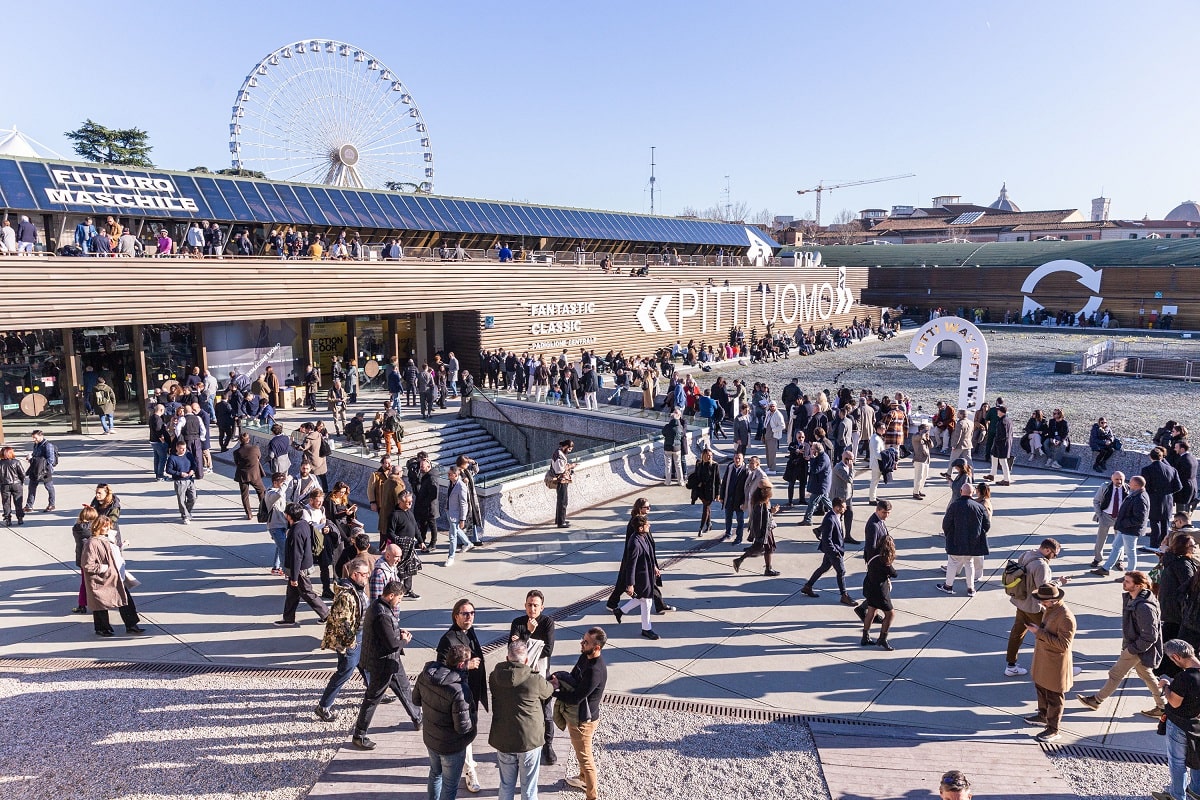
(966, 218)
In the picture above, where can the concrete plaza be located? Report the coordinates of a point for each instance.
(736, 639)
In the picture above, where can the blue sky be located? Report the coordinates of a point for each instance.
(560, 102)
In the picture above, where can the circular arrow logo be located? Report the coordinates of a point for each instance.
(1089, 277)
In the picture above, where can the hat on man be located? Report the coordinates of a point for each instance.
(1048, 591)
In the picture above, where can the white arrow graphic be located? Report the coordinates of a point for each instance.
(1030, 306)
(643, 313)
(1092, 306)
(660, 312)
(1087, 276)
(844, 295)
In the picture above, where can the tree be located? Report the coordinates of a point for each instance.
(204, 170)
(689, 211)
(764, 217)
(239, 172)
(401, 186)
(128, 147)
(845, 228)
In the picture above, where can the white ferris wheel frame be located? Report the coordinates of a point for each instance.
(327, 112)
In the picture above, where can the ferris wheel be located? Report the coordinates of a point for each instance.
(320, 111)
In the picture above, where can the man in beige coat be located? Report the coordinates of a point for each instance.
(1053, 670)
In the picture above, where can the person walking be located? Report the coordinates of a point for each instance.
(820, 479)
(842, 485)
(277, 524)
(1052, 671)
(877, 592)
(672, 433)
(1130, 522)
(732, 497)
(462, 632)
(518, 723)
(581, 692)
(1000, 448)
(705, 484)
(298, 560)
(104, 399)
(1162, 482)
(344, 634)
(248, 472)
(383, 644)
(181, 468)
(831, 541)
(1036, 564)
(965, 526)
(42, 461)
(796, 470)
(638, 574)
(535, 626)
(563, 471)
(762, 530)
(458, 511)
(450, 716)
(1141, 643)
(1183, 719)
(1106, 504)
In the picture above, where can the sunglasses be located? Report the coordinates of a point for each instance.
(466, 613)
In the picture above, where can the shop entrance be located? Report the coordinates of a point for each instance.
(32, 394)
(108, 352)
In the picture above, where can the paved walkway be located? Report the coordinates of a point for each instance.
(743, 640)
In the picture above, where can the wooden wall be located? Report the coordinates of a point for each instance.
(1125, 290)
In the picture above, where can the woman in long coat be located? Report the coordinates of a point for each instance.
(649, 388)
(705, 483)
(762, 530)
(101, 563)
(1052, 671)
(638, 575)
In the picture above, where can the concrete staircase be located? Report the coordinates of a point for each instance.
(445, 440)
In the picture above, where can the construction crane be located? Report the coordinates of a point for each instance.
(821, 187)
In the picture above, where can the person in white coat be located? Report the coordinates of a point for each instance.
(773, 429)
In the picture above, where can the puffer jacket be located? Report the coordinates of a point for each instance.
(446, 707)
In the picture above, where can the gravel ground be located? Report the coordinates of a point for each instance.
(1021, 369)
(139, 736)
(1110, 780)
(696, 756)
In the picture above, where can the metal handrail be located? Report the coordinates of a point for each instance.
(500, 411)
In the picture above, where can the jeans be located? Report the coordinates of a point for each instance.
(731, 512)
(818, 503)
(160, 458)
(1176, 762)
(347, 663)
(279, 536)
(33, 484)
(1123, 542)
(445, 770)
(106, 423)
(457, 536)
(524, 764)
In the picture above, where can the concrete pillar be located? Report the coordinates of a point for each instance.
(140, 378)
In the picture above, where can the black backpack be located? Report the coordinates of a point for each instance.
(264, 513)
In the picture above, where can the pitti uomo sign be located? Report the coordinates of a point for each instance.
(85, 188)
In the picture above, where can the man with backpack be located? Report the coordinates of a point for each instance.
(42, 462)
(1022, 577)
(393, 433)
(105, 402)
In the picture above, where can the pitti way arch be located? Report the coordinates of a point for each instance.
(146, 320)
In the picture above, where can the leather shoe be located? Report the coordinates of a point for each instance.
(648, 634)
(108, 632)
(852, 541)
(807, 590)
(363, 743)
(135, 630)
(618, 613)
(325, 714)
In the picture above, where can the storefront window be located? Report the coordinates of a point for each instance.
(108, 352)
(31, 394)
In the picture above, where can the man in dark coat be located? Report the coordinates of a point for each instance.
(247, 471)
(426, 508)
(965, 526)
(876, 529)
(450, 718)
(733, 496)
(831, 541)
(298, 560)
(820, 478)
(1001, 446)
(462, 632)
(1162, 482)
(226, 422)
(383, 644)
(1186, 466)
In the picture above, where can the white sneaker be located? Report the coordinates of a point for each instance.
(471, 779)
(466, 548)
(1014, 670)
(449, 562)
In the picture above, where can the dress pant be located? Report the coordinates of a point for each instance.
(303, 590)
(920, 475)
(835, 561)
(581, 740)
(385, 674)
(1105, 528)
(13, 502)
(997, 465)
(560, 504)
(965, 564)
(1050, 706)
(245, 488)
(224, 436)
(1159, 528)
(196, 448)
(772, 447)
(1017, 634)
(427, 527)
(185, 497)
